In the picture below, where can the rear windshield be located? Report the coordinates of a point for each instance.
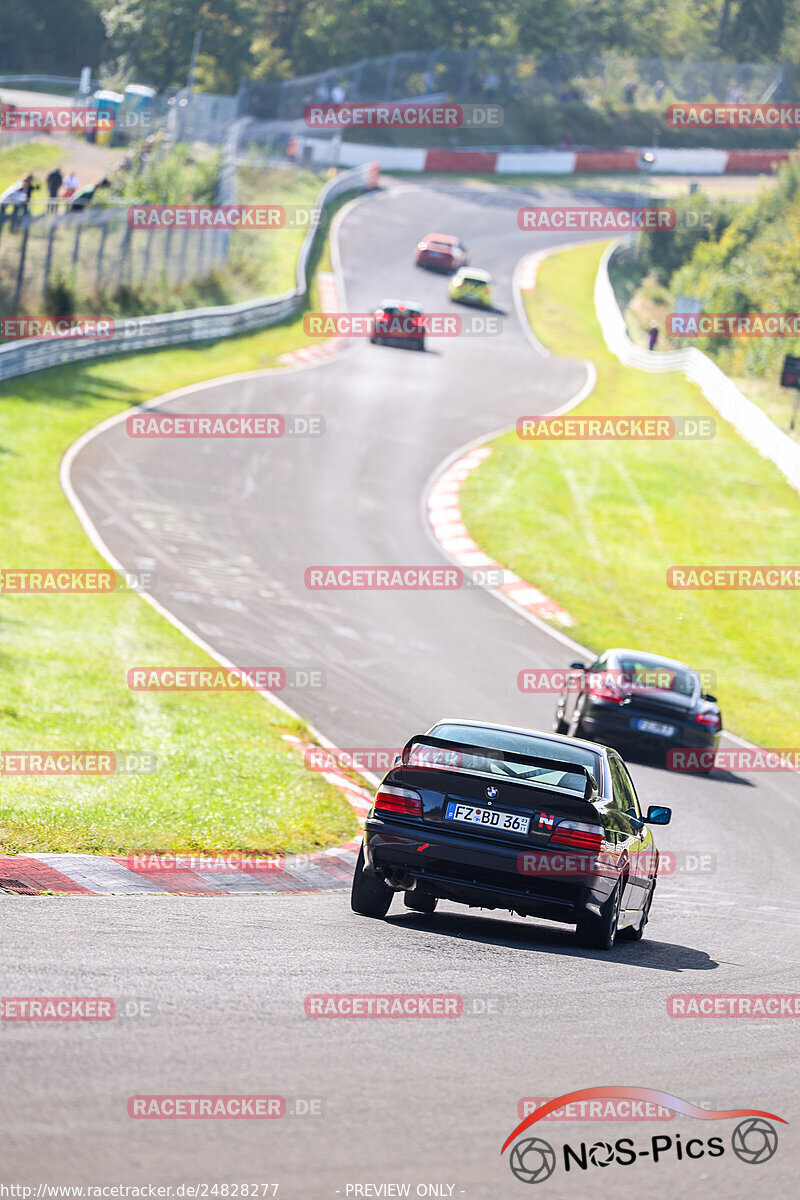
(641, 672)
(474, 279)
(497, 740)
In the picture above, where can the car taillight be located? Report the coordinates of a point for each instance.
(398, 800)
(577, 836)
(710, 720)
(610, 695)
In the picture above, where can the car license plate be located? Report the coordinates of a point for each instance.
(655, 727)
(490, 818)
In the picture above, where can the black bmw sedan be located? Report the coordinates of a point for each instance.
(496, 817)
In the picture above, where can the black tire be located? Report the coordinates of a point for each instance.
(421, 902)
(370, 896)
(420, 345)
(559, 725)
(599, 933)
(630, 932)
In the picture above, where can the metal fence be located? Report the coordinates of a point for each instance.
(45, 245)
(197, 325)
(485, 74)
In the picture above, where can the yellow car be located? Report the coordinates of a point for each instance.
(470, 286)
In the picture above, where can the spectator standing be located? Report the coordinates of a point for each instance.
(54, 181)
(70, 185)
(337, 94)
(15, 198)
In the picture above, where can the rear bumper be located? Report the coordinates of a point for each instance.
(609, 726)
(435, 264)
(484, 874)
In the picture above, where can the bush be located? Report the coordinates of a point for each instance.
(59, 300)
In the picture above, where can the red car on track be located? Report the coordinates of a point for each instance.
(441, 252)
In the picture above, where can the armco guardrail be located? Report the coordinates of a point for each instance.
(193, 325)
(745, 416)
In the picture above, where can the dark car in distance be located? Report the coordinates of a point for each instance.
(630, 699)
(441, 252)
(399, 323)
(496, 817)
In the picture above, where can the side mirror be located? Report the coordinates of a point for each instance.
(577, 666)
(656, 815)
(711, 699)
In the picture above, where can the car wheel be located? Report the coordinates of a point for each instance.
(421, 902)
(370, 897)
(599, 933)
(560, 725)
(632, 933)
(420, 345)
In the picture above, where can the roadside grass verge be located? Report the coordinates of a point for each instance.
(225, 779)
(595, 525)
(36, 155)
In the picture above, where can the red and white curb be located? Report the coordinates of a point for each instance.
(666, 160)
(449, 530)
(102, 875)
(328, 302)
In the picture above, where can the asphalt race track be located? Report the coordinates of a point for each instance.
(230, 527)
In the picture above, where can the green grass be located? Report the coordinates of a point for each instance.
(37, 155)
(226, 780)
(595, 525)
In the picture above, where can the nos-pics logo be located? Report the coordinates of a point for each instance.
(754, 1139)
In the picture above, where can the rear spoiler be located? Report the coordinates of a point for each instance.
(527, 760)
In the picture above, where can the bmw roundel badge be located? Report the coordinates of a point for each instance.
(491, 792)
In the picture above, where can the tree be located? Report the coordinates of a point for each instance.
(154, 40)
(50, 37)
